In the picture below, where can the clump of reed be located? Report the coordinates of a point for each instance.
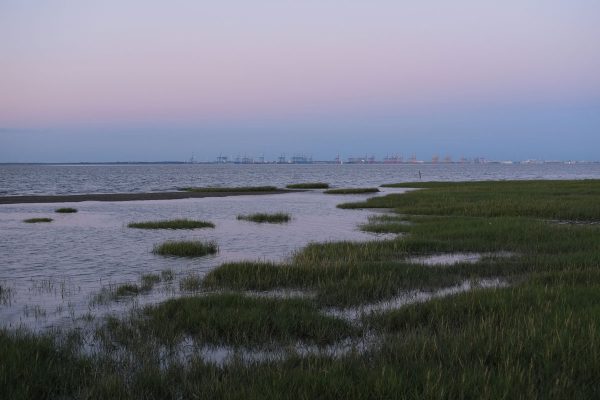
(277, 218)
(5, 294)
(148, 281)
(130, 289)
(230, 189)
(193, 248)
(351, 191)
(37, 220)
(172, 224)
(308, 185)
(66, 210)
(191, 283)
(167, 275)
(126, 289)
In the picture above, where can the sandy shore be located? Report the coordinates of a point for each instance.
(75, 198)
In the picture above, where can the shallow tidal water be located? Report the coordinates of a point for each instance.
(76, 179)
(52, 272)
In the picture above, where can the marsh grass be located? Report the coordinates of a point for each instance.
(148, 281)
(230, 189)
(127, 289)
(66, 210)
(233, 319)
(191, 283)
(37, 220)
(539, 338)
(560, 200)
(186, 248)
(276, 218)
(351, 191)
(167, 275)
(116, 292)
(6, 294)
(308, 185)
(172, 224)
(387, 224)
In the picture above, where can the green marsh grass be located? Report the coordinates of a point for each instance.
(234, 319)
(276, 218)
(167, 275)
(172, 224)
(351, 191)
(230, 189)
(191, 283)
(37, 220)
(126, 289)
(186, 248)
(538, 338)
(66, 210)
(6, 294)
(308, 185)
(562, 200)
(148, 281)
(115, 292)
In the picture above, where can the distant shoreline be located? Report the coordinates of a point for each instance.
(314, 162)
(76, 198)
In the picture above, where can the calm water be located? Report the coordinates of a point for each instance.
(54, 270)
(56, 179)
(51, 273)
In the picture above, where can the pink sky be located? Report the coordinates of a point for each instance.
(68, 61)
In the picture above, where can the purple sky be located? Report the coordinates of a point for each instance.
(155, 80)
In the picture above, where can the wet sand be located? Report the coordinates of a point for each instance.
(75, 198)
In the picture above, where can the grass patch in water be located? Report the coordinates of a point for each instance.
(191, 283)
(37, 220)
(66, 210)
(235, 319)
(6, 294)
(148, 281)
(230, 189)
(167, 275)
(186, 248)
(351, 191)
(172, 224)
(127, 289)
(308, 185)
(276, 218)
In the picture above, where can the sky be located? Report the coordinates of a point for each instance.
(134, 80)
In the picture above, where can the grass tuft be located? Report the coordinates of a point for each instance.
(126, 289)
(308, 185)
(276, 218)
(148, 281)
(36, 220)
(167, 275)
(172, 224)
(351, 191)
(191, 283)
(66, 210)
(186, 248)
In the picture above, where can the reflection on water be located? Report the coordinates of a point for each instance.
(51, 273)
(354, 314)
(448, 259)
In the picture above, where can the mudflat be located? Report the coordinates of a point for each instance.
(75, 198)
